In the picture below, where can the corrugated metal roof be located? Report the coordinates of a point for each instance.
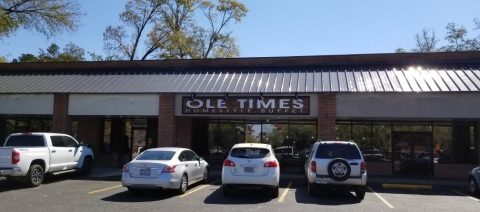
(255, 80)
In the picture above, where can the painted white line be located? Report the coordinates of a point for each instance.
(197, 189)
(466, 195)
(105, 189)
(285, 192)
(380, 197)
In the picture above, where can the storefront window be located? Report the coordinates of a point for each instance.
(275, 134)
(253, 133)
(442, 144)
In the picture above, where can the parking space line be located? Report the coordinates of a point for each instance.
(466, 195)
(380, 197)
(284, 194)
(105, 189)
(197, 189)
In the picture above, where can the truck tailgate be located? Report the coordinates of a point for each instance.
(6, 157)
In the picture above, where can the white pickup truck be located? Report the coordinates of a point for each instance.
(29, 156)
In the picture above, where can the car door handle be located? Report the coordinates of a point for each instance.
(70, 150)
(354, 164)
(186, 165)
(53, 151)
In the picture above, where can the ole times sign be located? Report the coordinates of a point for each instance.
(275, 105)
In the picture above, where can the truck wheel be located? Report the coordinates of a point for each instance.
(35, 175)
(87, 166)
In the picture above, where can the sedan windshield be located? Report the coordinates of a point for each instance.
(156, 155)
(249, 152)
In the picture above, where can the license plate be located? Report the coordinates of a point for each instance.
(145, 171)
(249, 169)
(321, 181)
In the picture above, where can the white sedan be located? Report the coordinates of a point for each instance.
(164, 168)
(251, 164)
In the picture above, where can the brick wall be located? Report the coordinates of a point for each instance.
(184, 132)
(61, 120)
(90, 132)
(166, 121)
(326, 116)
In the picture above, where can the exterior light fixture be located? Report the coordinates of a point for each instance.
(296, 95)
(193, 96)
(226, 96)
(261, 96)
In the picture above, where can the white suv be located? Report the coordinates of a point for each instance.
(251, 164)
(337, 164)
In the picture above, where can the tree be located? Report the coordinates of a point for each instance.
(425, 41)
(71, 52)
(456, 38)
(48, 17)
(169, 29)
(3, 59)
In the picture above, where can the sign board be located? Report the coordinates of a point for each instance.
(273, 105)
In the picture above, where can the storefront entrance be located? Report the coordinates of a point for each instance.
(413, 153)
(290, 140)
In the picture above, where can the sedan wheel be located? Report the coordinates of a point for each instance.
(472, 186)
(183, 184)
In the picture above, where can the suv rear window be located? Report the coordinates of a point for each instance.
(330, 151)
(26, 140)
(249, 152)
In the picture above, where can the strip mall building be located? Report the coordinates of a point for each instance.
(411, 114)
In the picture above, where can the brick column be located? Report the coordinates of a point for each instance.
(166, 121)
(90, 132)
(61, 120)
(184, 132)
(326, 116)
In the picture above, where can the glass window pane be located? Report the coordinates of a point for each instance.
(252, 133)
(442, 144)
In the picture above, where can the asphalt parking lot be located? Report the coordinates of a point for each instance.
(73, 193)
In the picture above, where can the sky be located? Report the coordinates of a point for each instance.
(288, 27)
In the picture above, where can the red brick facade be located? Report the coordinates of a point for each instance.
(167, 121)
(90, 131)
(326, 116)
(61, 120)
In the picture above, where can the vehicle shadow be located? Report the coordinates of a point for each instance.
(140, 196)
(10, 185)
(325, 197)
(238, 197)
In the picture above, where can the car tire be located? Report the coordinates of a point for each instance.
(311, 189)
(87, 166)
(226, 190)
(183, 184)
(274, 192)
(205, 175)
(35, 175)
(473, 186)
(339, 162)
(360, 192)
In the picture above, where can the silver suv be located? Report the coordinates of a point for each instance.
(336, 164)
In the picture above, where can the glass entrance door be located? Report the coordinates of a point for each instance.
(413, 153)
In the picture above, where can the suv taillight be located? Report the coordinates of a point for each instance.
(15, 157)
(125, 168)
(363, 167)
(228, 162)
(271, 164)
(313, 166)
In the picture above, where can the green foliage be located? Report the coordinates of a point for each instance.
(49, 17)
(171, 29)
(456, 39)
(3, 59)
(70, 53)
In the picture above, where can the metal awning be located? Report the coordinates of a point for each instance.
(253, 80)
